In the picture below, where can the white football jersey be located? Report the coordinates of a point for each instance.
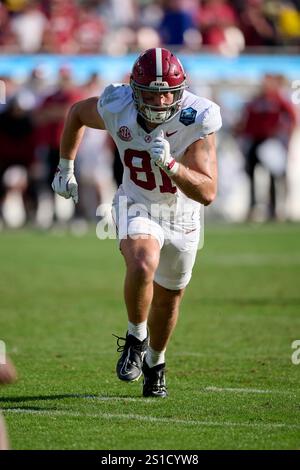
(143, 181)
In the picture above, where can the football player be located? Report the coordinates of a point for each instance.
(166, 139)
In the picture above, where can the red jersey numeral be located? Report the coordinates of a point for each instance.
(142, 174)
(147, 181)
(166, 186)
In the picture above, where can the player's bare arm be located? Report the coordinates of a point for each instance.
(82, 114)
(197, 173)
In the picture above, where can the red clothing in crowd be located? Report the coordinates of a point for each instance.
(55, 108)
(269, 115)
(16, 139)
(213, 18)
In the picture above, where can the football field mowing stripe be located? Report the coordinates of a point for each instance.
(230, 374)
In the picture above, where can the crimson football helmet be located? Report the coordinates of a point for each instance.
(157, 70)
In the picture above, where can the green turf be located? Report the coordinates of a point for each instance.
(231, 380)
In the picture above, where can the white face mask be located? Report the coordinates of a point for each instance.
(154, 114)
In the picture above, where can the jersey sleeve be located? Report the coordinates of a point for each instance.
(111, 102)
(210, 119)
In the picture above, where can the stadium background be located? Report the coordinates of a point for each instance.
(230, 359)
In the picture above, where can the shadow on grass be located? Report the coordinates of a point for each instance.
(23, 399)
(44, 397)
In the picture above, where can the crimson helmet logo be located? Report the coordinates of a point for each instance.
(124, 133)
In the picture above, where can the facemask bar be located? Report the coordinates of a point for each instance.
(153, 113)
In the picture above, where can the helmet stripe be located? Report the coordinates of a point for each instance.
(159, 71)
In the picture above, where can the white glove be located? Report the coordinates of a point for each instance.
(64, 182)
(160, 154)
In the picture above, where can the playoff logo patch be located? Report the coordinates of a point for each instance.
(188, 116)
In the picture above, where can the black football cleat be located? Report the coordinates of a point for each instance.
(129, 366)
(154, 381)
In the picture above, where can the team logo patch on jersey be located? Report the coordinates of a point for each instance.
(188, 116)
(124, 133)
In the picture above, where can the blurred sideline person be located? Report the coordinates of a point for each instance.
(50, 116)
(16, 190)
(95, 174)
(94, 163)
(266, 128)
(166, 140)
(7, 375)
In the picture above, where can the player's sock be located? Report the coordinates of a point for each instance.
(154, 358)
(138, 330)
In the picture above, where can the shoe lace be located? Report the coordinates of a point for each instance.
(120, 347)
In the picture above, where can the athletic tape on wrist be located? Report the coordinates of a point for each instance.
(66, 164)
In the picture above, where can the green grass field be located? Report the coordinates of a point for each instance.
(231, 380)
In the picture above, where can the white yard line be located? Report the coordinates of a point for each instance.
(124, 399)
(245, 390)
(227, 353)
(152, 419)
(253, 259)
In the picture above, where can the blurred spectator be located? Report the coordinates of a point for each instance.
(90, 30)
(117, 14)
(49, 120)
(50, 116)
(214, 17)
(15, 184)
(269, 120)
(15, 6)
(289, 22)
(120, 42)
(8, 89)
(93, 86)
(175, 23)
(121, 25)
(92, 26)
(113, 167)
(95, 174)
(28, 27)
(36, 87)
(17, 157)
(7, 38)
(147, 38)
(94, 163)
(258, 29)
(59, 36)
(151, 13)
